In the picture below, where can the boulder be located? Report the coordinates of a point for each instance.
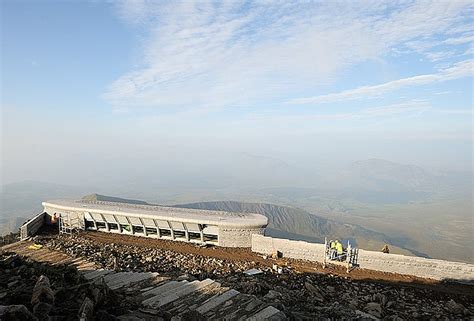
(16, 312)
(41, 310)
(454, 307)
(42, 291)
(374, 309)
(87, 310)
(272, 295)
(314, 290)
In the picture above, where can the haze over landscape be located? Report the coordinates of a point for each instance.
(348, 119)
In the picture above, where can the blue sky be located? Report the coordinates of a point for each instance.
(306, 82)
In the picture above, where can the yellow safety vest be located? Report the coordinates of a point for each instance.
(339, 248)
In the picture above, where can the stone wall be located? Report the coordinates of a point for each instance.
(237, 237)
(293, 249)
(410, 265)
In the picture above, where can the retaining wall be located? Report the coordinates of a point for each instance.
(395, 263)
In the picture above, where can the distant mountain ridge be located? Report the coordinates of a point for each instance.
(98, 197)
(285, 222)
(297, 224)
(411, 176)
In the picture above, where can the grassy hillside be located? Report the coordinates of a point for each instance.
(416, 210)
(104, 198)
(298, 224)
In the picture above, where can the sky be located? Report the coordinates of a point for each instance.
(97, 90)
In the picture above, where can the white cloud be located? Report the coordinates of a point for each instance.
(404, 109)
(458, 70)
(444, 92)
(455, 111)
(411, 107)
(459, 40)
(216, 54)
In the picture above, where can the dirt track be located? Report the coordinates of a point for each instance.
(243, 254)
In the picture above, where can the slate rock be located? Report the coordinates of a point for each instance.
(16, 312)
(374, 309)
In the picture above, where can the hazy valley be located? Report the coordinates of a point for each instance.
(370, 202)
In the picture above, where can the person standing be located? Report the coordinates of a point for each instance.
(339, 249)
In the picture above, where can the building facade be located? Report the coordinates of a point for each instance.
(220, 228)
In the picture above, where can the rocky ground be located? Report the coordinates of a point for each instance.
(9, 238)
(299, 295)
(65, 295)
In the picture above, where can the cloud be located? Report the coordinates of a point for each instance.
(409, 108)
(444, 92)
(459, 40)
(458, 70)
(455, 111)
(220, 54)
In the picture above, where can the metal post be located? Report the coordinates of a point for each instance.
(325, 254)
(130, 225)
(158, 233)
(348, 257)
(171, 229)
(119, 227)
(143, 226)
(201, 230)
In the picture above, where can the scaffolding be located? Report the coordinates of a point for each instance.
(349, 256)
(68, 223)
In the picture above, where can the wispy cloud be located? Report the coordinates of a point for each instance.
(459, 40)
(459, 70)
(218, 54)
(455, 111)
(404, 109)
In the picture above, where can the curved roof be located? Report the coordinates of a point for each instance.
(221, 218)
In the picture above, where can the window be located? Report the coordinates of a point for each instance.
(210, 238)
(101, 225)
(179, 234)
(89, 224)
(151, 231)
(194, 236)
(113, 226)
(137, 229)
(165, 232)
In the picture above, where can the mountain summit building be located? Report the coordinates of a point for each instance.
(220, 228)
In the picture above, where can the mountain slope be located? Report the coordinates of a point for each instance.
(298, 224)
(104, 198)
(378, 181)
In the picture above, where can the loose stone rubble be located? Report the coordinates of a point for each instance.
(38, 291)
(9, 238)
(132, 258)
(210, 288)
